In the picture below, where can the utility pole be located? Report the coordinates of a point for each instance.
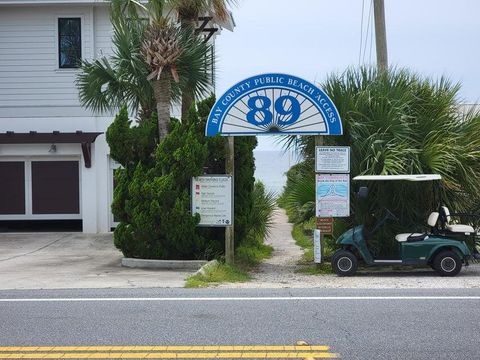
(380, 35)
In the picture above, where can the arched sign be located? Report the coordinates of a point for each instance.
(274, 104)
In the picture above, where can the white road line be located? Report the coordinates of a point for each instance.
(286, 298)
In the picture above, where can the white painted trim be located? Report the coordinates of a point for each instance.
(28, 189)
(225, 299)
(93, 55)
(112, 165)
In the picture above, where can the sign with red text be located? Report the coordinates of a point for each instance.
(212, 199)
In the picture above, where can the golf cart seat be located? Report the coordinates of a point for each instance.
(454, 228)
(412, 237)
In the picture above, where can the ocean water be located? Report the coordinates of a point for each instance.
(271, 168)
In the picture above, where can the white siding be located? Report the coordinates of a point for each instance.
(31, 83)
(103, 32)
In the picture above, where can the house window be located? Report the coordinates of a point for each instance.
(69, 42)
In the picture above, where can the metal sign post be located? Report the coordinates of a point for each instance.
(318, 143)
(229, 230)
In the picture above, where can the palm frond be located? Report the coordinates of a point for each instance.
(398, 122)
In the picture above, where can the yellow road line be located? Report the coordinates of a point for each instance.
(212, 355)
(167, 348)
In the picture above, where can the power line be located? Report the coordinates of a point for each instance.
(368, 31)
(361, 35)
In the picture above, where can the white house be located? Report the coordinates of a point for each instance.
(54, 160)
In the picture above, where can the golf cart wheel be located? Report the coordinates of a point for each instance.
(344, 263)
(447, 263)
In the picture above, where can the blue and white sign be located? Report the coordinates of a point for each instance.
(274, 104)
(332, 195)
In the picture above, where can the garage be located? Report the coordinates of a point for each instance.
(43, 190)
(55, 187)
(12, 183)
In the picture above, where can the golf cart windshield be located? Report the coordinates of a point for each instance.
(372, 220)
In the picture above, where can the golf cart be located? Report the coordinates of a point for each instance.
(443, 247)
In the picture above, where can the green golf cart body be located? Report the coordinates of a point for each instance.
(444, 251)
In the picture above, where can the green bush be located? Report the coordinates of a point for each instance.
(131, 144)
(152, 194)
(298, 196)
(156, 202)
(252, 249)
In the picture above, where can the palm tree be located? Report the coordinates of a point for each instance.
(188, 12)
(161, 49)
(397, 122)
(149, 52)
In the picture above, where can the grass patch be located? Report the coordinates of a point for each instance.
(307, 257)
(302, 233)
(301, 238)
(247, 256)
(251, 254)
(219, 274)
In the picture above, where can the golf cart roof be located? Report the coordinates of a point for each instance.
(419, 177)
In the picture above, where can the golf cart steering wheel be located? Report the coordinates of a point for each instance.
(391, 215)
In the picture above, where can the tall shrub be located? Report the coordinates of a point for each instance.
(152, 195)
(152, 198)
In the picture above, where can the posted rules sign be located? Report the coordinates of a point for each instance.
(212, 198)
(332, 159)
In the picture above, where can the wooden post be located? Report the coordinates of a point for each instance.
(319, 142)
(380, 34)
(229, 230)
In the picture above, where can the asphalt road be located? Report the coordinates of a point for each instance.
(356, 324)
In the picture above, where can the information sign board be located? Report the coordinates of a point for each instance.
(212, 198)
(332, 159)
(332, 195)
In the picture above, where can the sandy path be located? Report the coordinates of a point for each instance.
(280, 268)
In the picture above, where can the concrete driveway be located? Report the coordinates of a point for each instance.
(72, 260)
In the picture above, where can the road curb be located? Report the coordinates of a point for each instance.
(163, 264)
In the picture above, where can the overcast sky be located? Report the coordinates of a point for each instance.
(312, 38)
